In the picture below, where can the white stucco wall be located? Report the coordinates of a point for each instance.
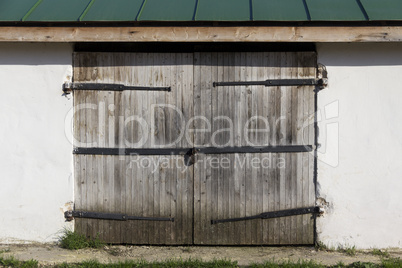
(360, 164)
(35, 156)
(359, 167)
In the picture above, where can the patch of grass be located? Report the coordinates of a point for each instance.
(72, 240)
(96, 242)
(320, 246)
(12, 262)
(386, 263)
(288, 264)
(164, 264)
(381, 253)
(350, 251)
(391, 262)
(5, 250)
(340, 264)
(362, 265)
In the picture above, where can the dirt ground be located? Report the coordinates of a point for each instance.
(51, 254)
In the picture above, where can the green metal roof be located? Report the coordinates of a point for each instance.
(383, 9)
(199, 10)
(223, 10)
(15, 10)
(274, 10)
(335, 10)
(57, 10)
(112, 10)
(168, 10)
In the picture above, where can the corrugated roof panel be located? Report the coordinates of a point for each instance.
(15, 10)
(279, 10)
(58, 10)
(223, 10)
(168, 10)
(335, 10)
(205, 10)
(383, 10)
(116, 10)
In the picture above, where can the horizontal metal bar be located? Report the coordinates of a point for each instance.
(69, 215)
(273, 83)
(133, 151)
(273, 214)
(257, 149)
(190, 151)
(109, 87)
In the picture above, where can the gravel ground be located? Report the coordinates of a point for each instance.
(50, 254)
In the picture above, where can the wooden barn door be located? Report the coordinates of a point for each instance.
(192, 148)
(118, 173)
(234, 179)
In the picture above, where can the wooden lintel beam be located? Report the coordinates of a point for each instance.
(201, 34)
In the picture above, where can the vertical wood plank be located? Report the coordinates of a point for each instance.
(243, 175)
(292, 139)
(170, 172)
(311, 67)
(277, 96)
(265, 164)
(197, 171)
(188, 110)
(238, 227)
(253, 134)
(180, 171)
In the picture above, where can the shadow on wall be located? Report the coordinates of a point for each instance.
(355, 54)
(34, 54)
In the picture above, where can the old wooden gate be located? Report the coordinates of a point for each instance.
(195, 148)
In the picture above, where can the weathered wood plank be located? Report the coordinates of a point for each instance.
(209, 74)
(93, 179)
(188, 111)
(238, 227)
(249, 225)
(77, 190)
(292, 193)
(203, 34)
(243, 117)
(227, 160)
(221, 230)
(311, 67)
(159, 135)
(265, 73)
(121, 98)
(255, 225)
(197, 141)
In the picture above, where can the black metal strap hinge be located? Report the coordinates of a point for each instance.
(255, 149)
(274, 214)
(197, 150)
(70, 215)
(276, 83)
(133, 151)
(108, 87)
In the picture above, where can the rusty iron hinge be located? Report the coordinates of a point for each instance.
(71, 214)
(68, 87)
(276, 83)
(273, 214)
